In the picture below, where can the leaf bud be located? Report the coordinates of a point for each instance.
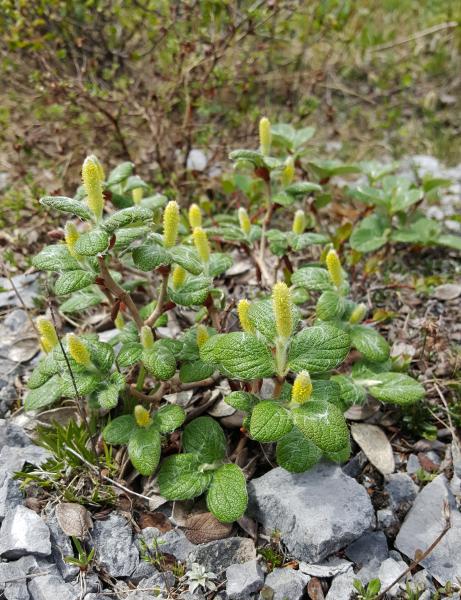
(299, 222)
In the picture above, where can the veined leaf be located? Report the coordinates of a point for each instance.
(187, 258)
(92, 243)
(324, 424)
(397, 388)
(261, 315)
(369, 342)
(130, 353)
(179, 477)
(150, 256)
(227, 496)
(144, 449)
(55, 258)
(351, 392)
(302, 188)
(119, 430)
(120, 173)
(370, 234)
(219, 263)
(205, 438)
(296, 453)
(71, 281)
(169, 417)
(159, 361)
(270, 421)
(192, 293)
(318, 349)
(242, 401)
(312, 278)
(127, 216)
(195, 371)
(330, 306)
(67, 205)
(44, 395)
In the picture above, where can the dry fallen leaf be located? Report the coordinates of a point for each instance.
(314, 589)
(375, 445)
(74, 519)
(204, 527)
(154, 519)
(447, 291)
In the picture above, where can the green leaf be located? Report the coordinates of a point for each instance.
(150, 256)
(38, 377)
(330, 306)
(195, 371)
(55, 258)
(406, 198)
(219, 263)
(370, 234)
(312, 278)
(302, 188)
(329, 168)
(239, 355)
(102, 354)
(71, 281)
(159, 361)
(242, 401)
(351, 392)
(133, 182)
(270, 421)
(129, 354)
(396, 388)
(324, 424)
(154, 202)
(227, 496)
(342, 455)
(82, 300)
(67, 205)
(308, 239)
(108, 397)
(369, 342)
(261, 315)
(192, 293)
(452, 241)
(144, 449)
(283, 199)
(120, 173)
(326, 390)
(205, 438)
(127, 216)
(179, 477)
(85, 382)
(125, 237)
(169, 417)
(187, 258)
(119, 430)
(422, 231)
(44, 395)
(256, 158)
(318, 349)
(92, 243)
(296, 453)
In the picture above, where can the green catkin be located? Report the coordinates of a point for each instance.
(244, 220)
(170, 224)
(265, 136)
(92, 182)
(242, 309)
(282, 303)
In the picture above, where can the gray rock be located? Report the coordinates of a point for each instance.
(342, 586)
(115, 549)
(354, 467)
(217, 556)
(172, 542)
(8, 393)
(402, 492)
(27, 286)
(13, 459)
(23, 532)
(159, 582)
(387, 521)
(197, 595)
(51, 586)
(423, 581)
(330, 568)
(286, 583)
(12, 435)
(99, 596)
(317, 512)
(389, 571)
(13, 578)
(10, 495)
(244, 579)
(61, 547)
(144, 570)
(370, 546)
(424, 522)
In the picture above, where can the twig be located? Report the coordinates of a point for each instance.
(422, 556)
(160, 300)
(444, 402)
(416, 36)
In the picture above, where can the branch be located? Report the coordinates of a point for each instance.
(160, 301)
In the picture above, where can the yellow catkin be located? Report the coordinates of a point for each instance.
(195, 216)
(244, 220)
(282, 303)
(201, 244)
(358, 314)
(92, 182)
(137, 195)
(141, 416)
(242, 309)
(265, 136)
(48, 335)
(302, 388)
(78, 350)
(170, 224)
(202, 335)
(147, 337)
(102, 175)
(178, 276)
(71, 236)
(299, 222)
(334, 267)
(288, 172)
(119, 321)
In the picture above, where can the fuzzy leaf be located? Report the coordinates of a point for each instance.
(326, 390)
(85, 382)
(261, 315)
(397, 388)
(324, 424)
(92, 243)
(312, 278)
(369, 342)
(308, 239)
(227, 496)
(169, 417)
(179, 477)
(67, 205)
(38, 377)
(120, 173)
(256, 158)
(108, 397)
(130, 353)
(370, 234)
(350, 391)
(205, 438)
(102, 354)
(150, 256)
(450, 240)
(330, 306)
(71, 281)
(119, 430)
(82, 300)
(144, 449)
(296, 453)
(239, 355)
(318, 349)
(127, 236)
(242, 401)
(195, 371)
(55, 258)
(193, 293)
(302, 188)
(341, 456)
(270, 421)
(219, 263)
(187, 258)
(159, 361)
(127, 216)
(44, 395)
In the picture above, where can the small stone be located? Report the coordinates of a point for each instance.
(342, 586)
(402, 492)
(217, 556)
(159, 582)
(433, 456)
(115, 550)
(98, 596)
(423, 581)
(197, 595)
(13, 578)
(12, 435)
(172, 542)
(244, 579)
(286, 583)
(45, 587)
(196, 160)
(23, 532)
(354, 467)
(387, 521)
(10, 495)
(13, 459)
(311, 530)
(413, 464)
(370, 546)
(388, 572)
(332, 567)
(424, 523)
(144, 570)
